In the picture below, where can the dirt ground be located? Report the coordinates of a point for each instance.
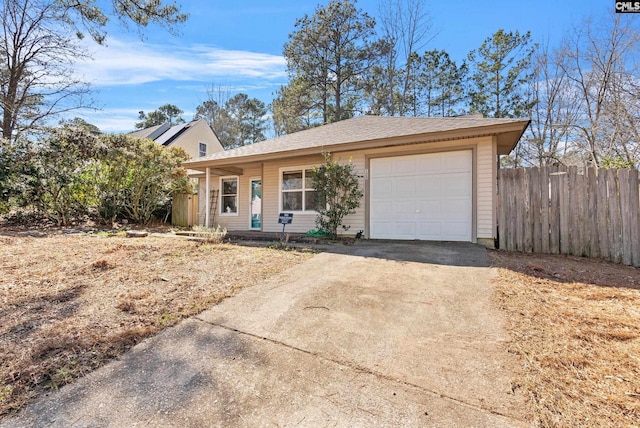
(71, 302)
(574, 322)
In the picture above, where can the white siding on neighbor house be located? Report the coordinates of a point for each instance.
(484, 179)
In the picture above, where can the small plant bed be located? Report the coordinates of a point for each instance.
(72, 302)
(574, 324)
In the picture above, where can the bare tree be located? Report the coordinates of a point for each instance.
(36, 75)
(599, 60)
(550, 136)
(406, 28)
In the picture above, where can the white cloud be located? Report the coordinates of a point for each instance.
(133, 63)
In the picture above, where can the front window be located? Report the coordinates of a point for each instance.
(298, 193)
(203, 150)
(229, 192)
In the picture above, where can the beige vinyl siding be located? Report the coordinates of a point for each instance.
(486, 188)
(355, 221)
(484, 181)
(242, 220)
(302, 222)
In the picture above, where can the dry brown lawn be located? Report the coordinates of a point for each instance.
(70, 303)
(575, 323)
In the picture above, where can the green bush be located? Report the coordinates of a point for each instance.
(338, 194)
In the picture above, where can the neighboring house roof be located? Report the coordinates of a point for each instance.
(186, 135)
(163, 134)
(373, 131)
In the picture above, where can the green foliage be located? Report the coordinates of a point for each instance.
(94, 18)
(240, 121)
(499, 70)
(73, 173)
(167, 113)
(440, 83)
(293, 108)
(6, 174)
(328, 55)
(338, 194)
(153, 170)
(61, 186)
(616, 162)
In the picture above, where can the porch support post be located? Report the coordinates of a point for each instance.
(207, 200)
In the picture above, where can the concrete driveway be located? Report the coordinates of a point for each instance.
(384, 334)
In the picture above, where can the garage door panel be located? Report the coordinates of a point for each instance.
(382, 210)
(429, 231)
(457, 211)
(456, 231)
(405, 188)
(456, 185)
(428, 188)
(381, 189)
(404, 208)
(383, 229)
(425, 196)
(456, 161)
(429, 210)
(430, 164)
(404, 166)
(405, 230)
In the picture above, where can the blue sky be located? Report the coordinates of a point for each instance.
(238, 44)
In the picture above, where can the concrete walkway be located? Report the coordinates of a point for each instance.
(390, 334)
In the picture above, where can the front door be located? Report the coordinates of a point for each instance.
(256, 204)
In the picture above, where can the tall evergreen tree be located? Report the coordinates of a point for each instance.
(167, 113)
(330, 52)
(500, 69)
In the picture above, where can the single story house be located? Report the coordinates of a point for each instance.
(196, 137)
(423, 178)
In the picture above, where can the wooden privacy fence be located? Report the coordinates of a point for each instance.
(184, 210)
(569, 211)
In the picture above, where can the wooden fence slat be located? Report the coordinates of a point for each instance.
(565, 241)
(614, 216)
(592, 212)
(520, 209)
(583, 219)
(625, 216)
(634, 208)
(554, 211)
(180, 210)
(510, 214)
(544, 208)
(536, 217)
(603, 216)
(527, 246)
(572, 210)
(503, 205)
(588, 212)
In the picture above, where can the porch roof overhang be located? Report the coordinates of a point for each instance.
(507, 136)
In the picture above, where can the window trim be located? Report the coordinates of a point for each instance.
(221, 196)
(200, 144)
(293, 168)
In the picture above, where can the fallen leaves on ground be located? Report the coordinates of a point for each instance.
(575, 324)
(70, 303)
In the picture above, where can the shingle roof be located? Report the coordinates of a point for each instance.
(367, 128)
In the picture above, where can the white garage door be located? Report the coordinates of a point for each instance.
(425, 197)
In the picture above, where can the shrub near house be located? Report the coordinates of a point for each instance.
(73, 173)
